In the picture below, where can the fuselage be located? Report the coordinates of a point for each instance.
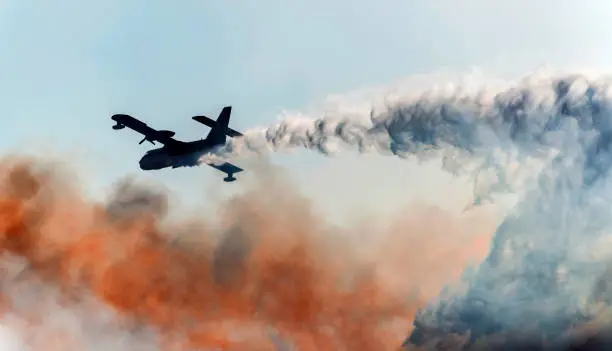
(187, 156)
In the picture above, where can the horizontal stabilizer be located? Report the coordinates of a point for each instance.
(210, 123)
(227, 168)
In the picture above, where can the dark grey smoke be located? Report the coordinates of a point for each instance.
(130, 198)
(548, 269)
(230, 256)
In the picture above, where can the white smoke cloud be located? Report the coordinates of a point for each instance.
(9, 340)
(40, 317)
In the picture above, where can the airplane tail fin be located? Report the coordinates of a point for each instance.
(219, 129)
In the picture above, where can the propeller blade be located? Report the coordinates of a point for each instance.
(145, 139)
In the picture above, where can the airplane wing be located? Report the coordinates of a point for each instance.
(151, 135)
(227, 168)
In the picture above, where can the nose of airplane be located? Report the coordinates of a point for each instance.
(144, 164)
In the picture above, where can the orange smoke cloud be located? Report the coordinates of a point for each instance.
(275, 274)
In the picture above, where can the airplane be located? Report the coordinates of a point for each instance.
(176, 153)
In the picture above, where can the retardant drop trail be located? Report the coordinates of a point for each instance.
(111, 275)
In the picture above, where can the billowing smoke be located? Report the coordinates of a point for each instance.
(278, 276)
(80, 275)
(505, 131)
(546, 275)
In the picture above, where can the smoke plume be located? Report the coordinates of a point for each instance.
(77, 274)
(510, 132)
(544, 283)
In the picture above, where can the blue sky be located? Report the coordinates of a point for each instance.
(67, 65)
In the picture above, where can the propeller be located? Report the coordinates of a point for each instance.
(145, 139)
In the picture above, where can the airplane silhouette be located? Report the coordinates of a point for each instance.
(176, 153)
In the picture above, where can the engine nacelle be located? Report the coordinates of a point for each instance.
(230, 178)
(118, 126)
(166, 133)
